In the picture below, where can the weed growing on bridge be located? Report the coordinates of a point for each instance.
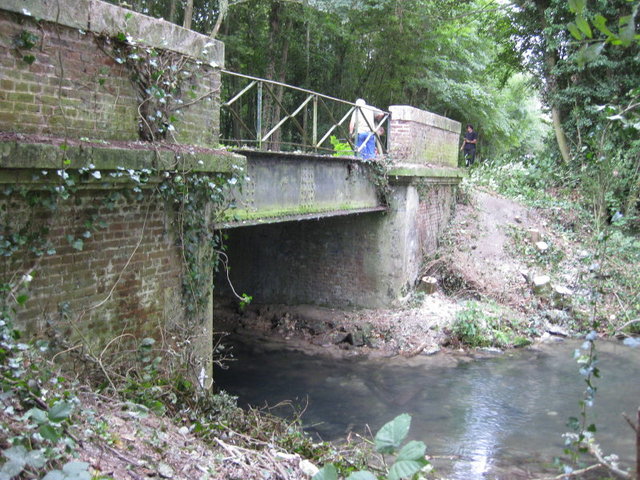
(378, 172)
(341, 149)
(26, 41)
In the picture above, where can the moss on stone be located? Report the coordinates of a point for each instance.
(38, 156)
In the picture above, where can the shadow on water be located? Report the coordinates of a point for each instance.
(505, 411)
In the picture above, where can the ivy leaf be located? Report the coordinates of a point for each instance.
(11, 469)
(17, 454)
(405, 469)
(76, 243)
(40, 416)
(391, 435)
(76, 471)
(36, 458)
(49, 433)
(60, 411)
(328, 472)
(413, 450)
(364, 475)
(22, 299)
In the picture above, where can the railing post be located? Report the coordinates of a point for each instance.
(259, 116)
(315, 123)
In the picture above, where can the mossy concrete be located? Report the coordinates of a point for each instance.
(407, 172)
(282, 185)
(19, 157)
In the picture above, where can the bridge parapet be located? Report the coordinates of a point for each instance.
(421, 137)
(81, 203)
(68, 68)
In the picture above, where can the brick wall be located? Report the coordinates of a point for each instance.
(126, 278)
(75, 88)
(421, 137)
(436, 206)
(127, 275)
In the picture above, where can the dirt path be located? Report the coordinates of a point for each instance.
(480, 249)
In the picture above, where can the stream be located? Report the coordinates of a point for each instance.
(495, 416)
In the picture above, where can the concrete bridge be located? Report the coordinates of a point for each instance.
(304, 228)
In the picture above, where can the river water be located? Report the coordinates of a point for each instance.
(486, 416)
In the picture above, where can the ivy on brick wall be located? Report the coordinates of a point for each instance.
(198, 200)
(166, 82)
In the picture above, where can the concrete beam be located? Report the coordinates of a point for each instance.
(284, 187)
(21, 160)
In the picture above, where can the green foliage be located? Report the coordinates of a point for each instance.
(341, 149)
(245, 300)
(583, 433)
(527, 179)
(410, 459)
(39, 439)
(488, 325)
(199, 199)
(26, 40)
(160, 78)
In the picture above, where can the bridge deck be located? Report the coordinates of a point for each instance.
(285, 187)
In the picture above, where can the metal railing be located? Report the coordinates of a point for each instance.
(270, 115)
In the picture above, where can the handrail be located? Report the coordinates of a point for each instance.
(280, 84)
(281, 100)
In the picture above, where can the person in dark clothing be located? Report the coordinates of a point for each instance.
(469, 145)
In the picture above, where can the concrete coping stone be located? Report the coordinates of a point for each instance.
(408, 113)
(104, 18)
(42, 156)
(426, 171)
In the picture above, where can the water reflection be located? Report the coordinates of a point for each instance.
(486, 413)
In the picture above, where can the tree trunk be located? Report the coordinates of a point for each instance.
(550, 58)
(188, 14)
(223, 6)
(276, 70)
(172, 11)
(560, 136)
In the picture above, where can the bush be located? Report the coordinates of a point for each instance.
(526, 178)
(488, 325)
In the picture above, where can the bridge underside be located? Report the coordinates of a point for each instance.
(282, 187)
(362, 260)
